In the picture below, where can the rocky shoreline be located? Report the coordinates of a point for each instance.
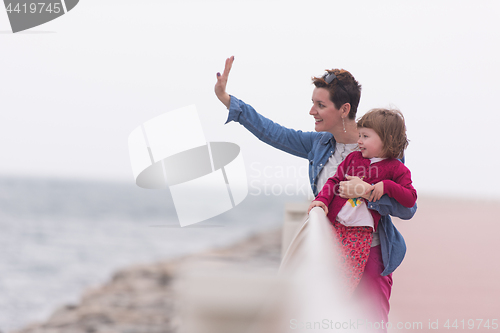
(142, 299)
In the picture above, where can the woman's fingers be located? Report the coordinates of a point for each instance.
(220, 86)
(354, 187)
(227, 67)
(341, 190)
(222, 78)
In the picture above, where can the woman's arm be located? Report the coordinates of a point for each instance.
(390, 206)
(295, 142)
(292, 141)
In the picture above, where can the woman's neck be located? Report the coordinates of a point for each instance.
(349, 136)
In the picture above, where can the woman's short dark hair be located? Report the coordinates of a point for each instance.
(343, 89)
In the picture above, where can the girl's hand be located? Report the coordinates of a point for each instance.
(354, 187)
(318, 204)
(377, 191)
(220, 86)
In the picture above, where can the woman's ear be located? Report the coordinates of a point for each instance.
(345, 109)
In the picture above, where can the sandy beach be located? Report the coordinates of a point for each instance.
(450, 271)
(449, 277)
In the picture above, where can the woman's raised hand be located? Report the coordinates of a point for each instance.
(220, 86)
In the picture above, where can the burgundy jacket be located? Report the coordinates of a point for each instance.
(395, 175)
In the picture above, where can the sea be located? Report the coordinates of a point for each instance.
(59, 237)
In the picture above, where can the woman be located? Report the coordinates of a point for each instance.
(335, 101)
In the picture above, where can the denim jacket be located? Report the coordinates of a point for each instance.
(317, 147)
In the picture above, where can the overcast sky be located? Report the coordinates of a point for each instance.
(73, 89)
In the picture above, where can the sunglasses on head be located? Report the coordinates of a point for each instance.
(329, 77)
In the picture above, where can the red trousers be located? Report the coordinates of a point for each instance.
(373, 292)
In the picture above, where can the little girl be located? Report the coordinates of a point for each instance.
(382, 140)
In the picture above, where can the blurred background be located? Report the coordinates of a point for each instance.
(73, 89)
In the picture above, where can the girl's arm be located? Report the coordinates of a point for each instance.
(404, 194)
(400, 188)
(385, 206)
(327, 192)
(330, 189)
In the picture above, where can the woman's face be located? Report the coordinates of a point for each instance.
(326, 115)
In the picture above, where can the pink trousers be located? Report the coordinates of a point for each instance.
(373, 292)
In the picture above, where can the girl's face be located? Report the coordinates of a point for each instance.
(369, 143)
(326, 115)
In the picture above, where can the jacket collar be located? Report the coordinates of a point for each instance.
(327, 138)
